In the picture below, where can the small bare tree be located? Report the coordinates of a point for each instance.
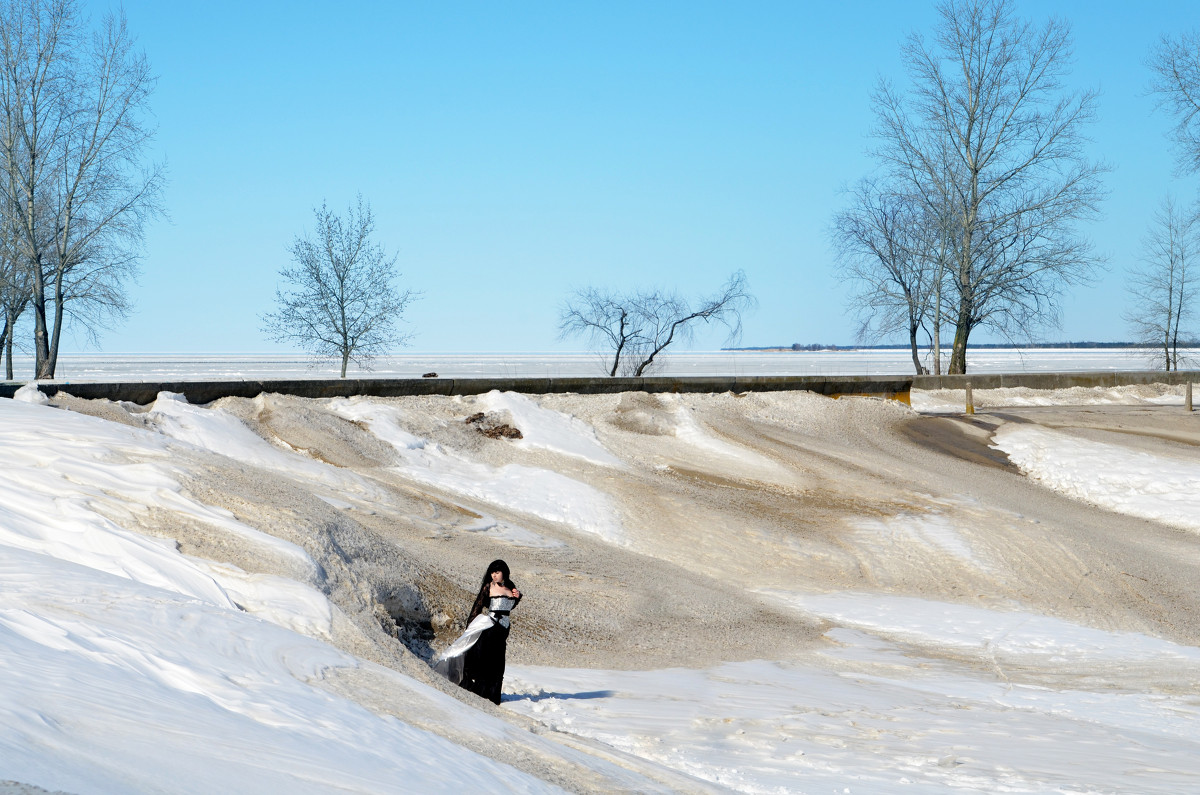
(605, 319)
(1164, 287)
(635, 328)
(340, 301)
(1175, 62)
(990, 139)
(887, 250)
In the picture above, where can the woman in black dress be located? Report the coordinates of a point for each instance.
(476, 660)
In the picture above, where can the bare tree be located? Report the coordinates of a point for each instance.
(888, 250)
(635, 328)
(1175, 62)
(990, 139)
(341, 301)
(605, 319)
(1164, 287)
(73, 134)
(15, 291)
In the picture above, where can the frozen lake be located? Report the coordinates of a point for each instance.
(159, 367)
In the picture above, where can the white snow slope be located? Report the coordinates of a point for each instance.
(129, 667)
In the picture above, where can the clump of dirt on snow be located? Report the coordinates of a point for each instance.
(490, 426)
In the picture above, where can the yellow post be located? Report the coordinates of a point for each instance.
(970, 400)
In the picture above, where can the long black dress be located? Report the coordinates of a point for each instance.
(483, 666)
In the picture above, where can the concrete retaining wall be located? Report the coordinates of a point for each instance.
(206, 391)
(896, 387)
(1055, 380)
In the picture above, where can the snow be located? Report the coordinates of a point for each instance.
(220, 432)
(1010, 636)
(31, 394)
(129, 667)
(548, 429)
(556, 364)
(688, 430)
(954, 400)
(1162, 487)
(539, 492)
(936, 531)
(873, 716)
(511, 534)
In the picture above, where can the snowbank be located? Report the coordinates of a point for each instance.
(1163, 487)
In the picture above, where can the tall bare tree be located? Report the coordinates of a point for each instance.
(636, 328)
(989, 137)
(1175, 63)
(1164, 286)
(75, 184)
(341, 302)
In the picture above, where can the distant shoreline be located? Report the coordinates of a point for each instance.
(816, 347)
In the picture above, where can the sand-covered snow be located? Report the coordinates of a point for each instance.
(771, 592)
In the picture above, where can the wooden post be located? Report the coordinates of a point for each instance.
(1187, 397)
(970, 400)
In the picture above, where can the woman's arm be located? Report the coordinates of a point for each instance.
(500, 590)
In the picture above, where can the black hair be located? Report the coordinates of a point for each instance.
(481, 601)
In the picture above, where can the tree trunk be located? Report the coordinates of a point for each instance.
(616, 360)
(912, 344)
(1166, 343)
(962, 330)
(41, 343)
(8, 345)
(937, 327)
(345, 359)
(56, 331)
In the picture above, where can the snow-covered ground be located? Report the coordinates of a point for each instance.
(160, 367)
(130, 667)
(133, 664)
(954, 400)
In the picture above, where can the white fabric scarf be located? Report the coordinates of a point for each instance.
(450, 663)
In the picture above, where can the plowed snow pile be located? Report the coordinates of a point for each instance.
(771, 592)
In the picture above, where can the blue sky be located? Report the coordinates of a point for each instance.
(514, 151)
